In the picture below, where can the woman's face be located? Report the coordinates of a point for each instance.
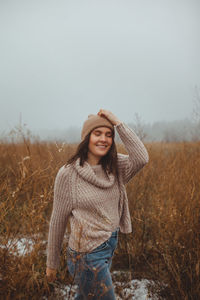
(100, 141)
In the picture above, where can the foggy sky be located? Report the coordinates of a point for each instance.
(62, 60)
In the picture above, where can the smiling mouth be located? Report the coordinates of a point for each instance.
(102, 146)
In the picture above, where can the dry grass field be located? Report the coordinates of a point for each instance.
(165, 208)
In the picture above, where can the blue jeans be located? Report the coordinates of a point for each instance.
(91, 271)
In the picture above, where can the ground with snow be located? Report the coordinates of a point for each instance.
(125, 286)
(132, 290)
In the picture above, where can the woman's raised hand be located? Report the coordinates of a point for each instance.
(109, 115)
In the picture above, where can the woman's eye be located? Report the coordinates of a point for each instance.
(109, 135)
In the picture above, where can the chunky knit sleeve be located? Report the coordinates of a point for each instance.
(62, 207)
(137, 157)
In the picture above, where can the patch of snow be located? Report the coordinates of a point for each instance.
(138, 289)
(128, 288)
(19, 246)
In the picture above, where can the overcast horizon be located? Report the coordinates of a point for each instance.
(62, 60)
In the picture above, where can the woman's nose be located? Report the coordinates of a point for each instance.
(103, 138)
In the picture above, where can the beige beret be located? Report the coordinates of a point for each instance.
(93, 122)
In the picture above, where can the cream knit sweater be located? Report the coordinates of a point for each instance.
(93, 201)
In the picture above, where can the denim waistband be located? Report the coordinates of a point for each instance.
(115, 233)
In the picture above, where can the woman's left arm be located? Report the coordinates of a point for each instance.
(137, 156)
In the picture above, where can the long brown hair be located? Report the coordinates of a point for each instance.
(108, 162)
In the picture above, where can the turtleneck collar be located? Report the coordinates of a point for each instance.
(88, 174)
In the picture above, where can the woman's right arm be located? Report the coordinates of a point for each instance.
(62, 207)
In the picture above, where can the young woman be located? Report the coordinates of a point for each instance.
(90, 192)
